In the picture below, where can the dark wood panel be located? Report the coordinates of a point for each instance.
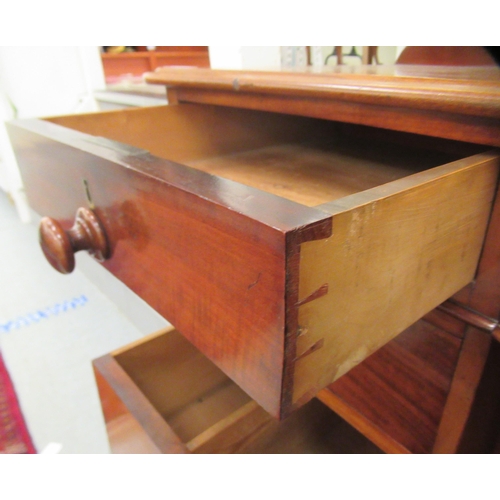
(446, 56)
(446, 322)
(397, 395)
(456, 126)
(463, 389)
(452, 103)
(483, 294)
(482, 433)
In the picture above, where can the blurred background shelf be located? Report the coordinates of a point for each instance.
(138, 60)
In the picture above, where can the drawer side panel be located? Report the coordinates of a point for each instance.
(395, 254)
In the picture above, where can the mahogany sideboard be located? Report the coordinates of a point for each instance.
(312, 233)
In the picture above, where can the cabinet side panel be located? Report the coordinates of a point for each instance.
(483, 294)
(395, 254)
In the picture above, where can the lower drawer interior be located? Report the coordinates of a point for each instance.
(211, 414)
(306, 160)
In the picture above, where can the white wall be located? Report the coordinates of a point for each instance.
(273, 57)
(244, 57)
(48, 81)
(42, 81)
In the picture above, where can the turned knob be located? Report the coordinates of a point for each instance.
(59, 246)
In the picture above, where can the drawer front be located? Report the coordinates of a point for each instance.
(284, 298)
(208, 254)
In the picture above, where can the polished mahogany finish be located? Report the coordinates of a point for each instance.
(205, 252)
(227, 257)
(59, 246)
(398, 394)
(240, 272)
(471, 317)
(122, 65)
(446, 56)
(450, 102)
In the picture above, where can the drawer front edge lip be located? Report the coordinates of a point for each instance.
(281, 214)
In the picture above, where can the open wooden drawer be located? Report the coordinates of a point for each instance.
(161, 395)
(286, 249)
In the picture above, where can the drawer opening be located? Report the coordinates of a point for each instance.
(211, 414)
(306, 160)
(189, 391)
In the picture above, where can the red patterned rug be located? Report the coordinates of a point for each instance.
(14, 436)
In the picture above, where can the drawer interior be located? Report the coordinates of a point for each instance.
(211, 414)
(306, 160)
(189, 391)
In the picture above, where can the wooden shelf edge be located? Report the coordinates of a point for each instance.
(360, 423)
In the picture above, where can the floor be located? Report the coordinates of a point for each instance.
(51, 327)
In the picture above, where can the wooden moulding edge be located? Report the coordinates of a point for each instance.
(447, 124)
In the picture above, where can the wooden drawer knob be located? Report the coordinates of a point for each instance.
(59, 246)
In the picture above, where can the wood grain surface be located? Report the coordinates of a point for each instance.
(314, 174)
(255, 279)
(465, 382)
(214, 248)
(396, 252)
(161, 395)
(227, 256)
(189, 133)
(483, 294)
(440, 89)
(451, 102)
(134, 425)
(396, 397)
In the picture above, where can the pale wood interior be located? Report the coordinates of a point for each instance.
(211, 414)
(395, 253)
(306, 160)
(187, 389)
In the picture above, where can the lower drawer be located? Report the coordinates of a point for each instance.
(161, 395)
